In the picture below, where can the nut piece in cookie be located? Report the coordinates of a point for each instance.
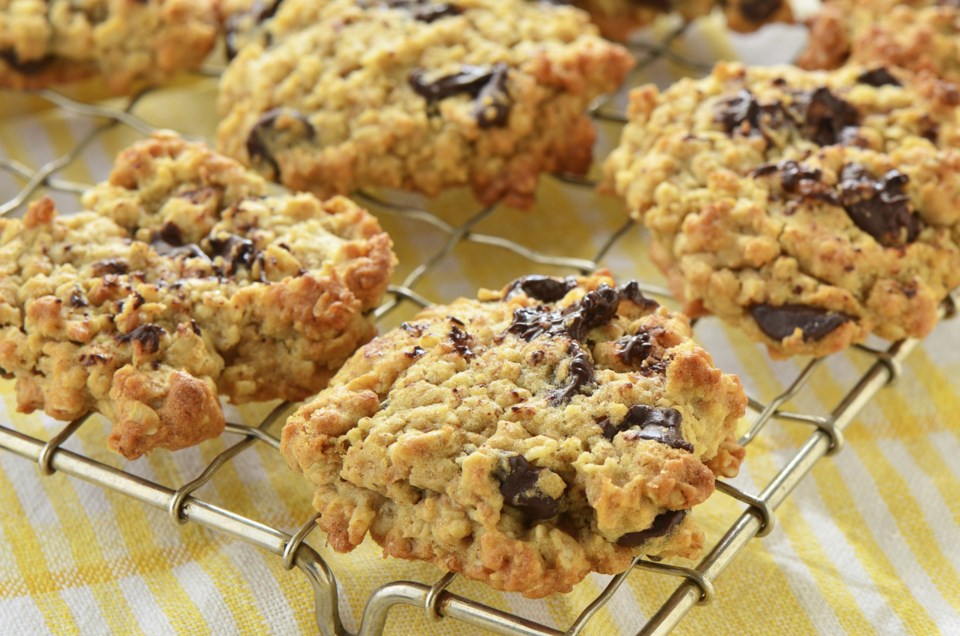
(334, 96)
(184, 282)
(809, 208)
(44, 42)
(551, 429)
(922, 36)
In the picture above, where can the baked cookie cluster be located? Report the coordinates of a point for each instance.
(331, 97)
(617, 19)
(809, 208)
(184, 281)
(524, 439)
(45, 42)
(921, 36)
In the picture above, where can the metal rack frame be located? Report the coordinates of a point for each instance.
(694, 584)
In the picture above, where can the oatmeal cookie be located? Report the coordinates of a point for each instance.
(418, 95)
(557, 427)
(45, 42)
(920, 36)
(809, 208)
(618, 18)
(183, 281)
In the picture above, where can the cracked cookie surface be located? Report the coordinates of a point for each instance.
(44, 42)
(920, 36)
(183, 281)
(423, 96)
(557, 427)
(808, 208)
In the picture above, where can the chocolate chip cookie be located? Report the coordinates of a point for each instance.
(44, 42)
(921, 36)
(182, 282)
(556, 427)
(810, 208)
(618, 18)
(418, 95)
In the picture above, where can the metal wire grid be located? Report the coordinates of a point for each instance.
(694, 585)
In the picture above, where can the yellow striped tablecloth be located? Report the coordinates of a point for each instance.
(869, 543)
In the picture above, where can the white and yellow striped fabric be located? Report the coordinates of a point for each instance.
(869, 543)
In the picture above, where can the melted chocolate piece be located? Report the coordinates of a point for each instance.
(265, 136)
(236, 251)
(147, 335)
(826, 116)
(878, 77)
(30, 67)
(759, 10)
(631, 291)
(662, 525)
(544, 288)
(170, 233)
(461, 342)
(424, 10)
(77, 300)
(492, 108)
(580, 373)
(190, 250)
(633, 350)
(879, 207)
(594, 309)
(194, 326)
(110, 266)
(259, 12)
(416, 352)
(90, 359)
(800, 179)
(469, 80)
(486, 85)
(743, 108)
(655, 424)
(779, 322)
(518, 486)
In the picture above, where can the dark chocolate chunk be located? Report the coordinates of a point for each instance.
(235, 251)
(633, 350)
(655, 424)
(543, 288)
(194, 326)
(424, 10)
(170, 233)
(486, 85)
(492, 107)
(826, 116)
(879, 207)
(759, 10)
(469, 80)
(662, 525)
(631, 292)
(743, 113)
(147, 335)
(110, 266)
(579, 374)
(77, 300)
(29, 67)
(594, 309)
(275, 129)
(416, 352)
(259, 12)
(878, 77)
(734, 111)
(461, 342)
(780, 321)
(518, 485)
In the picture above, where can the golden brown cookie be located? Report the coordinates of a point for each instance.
(185, 281)
(557, 427)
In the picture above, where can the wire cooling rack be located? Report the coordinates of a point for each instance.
(694, 585)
